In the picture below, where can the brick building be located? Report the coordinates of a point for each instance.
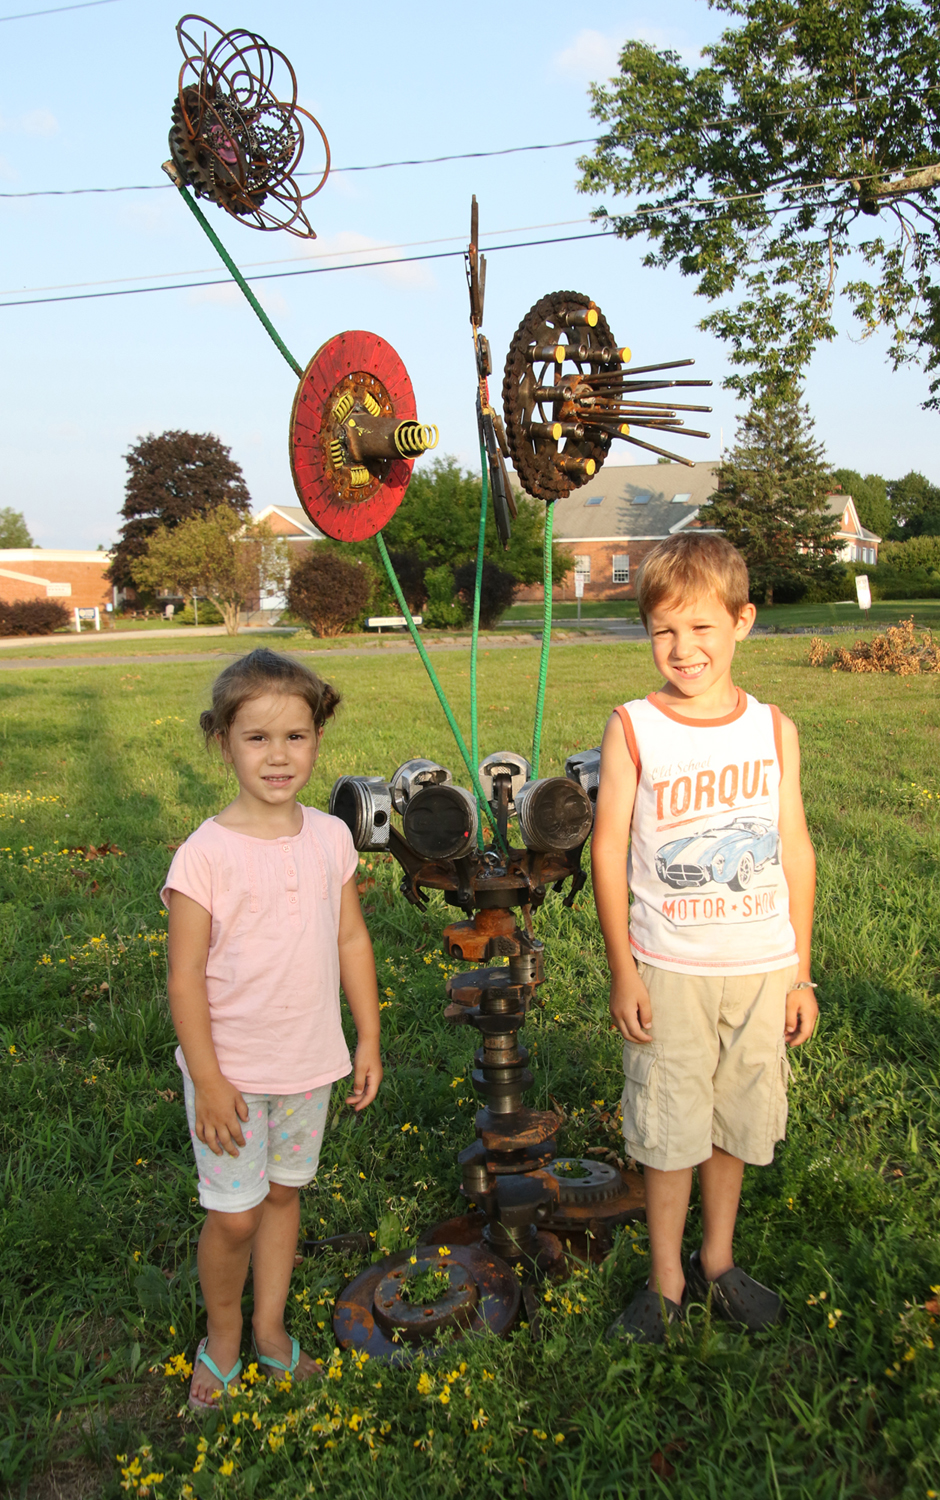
(78, 579)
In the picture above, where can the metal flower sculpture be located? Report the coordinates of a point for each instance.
(237, 133)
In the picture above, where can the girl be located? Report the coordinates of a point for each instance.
(264, 927)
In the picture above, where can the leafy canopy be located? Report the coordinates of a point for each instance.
(13, 529)
(217, 557)
(810, 136)
(171, 478)
(772, 503)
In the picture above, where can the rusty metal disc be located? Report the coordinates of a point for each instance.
(353, 374)
(370, 1314)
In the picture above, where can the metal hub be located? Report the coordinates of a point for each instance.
(583, 1181)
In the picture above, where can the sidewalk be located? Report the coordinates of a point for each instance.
(102, 637)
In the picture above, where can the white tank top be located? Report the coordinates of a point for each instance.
(709, 894)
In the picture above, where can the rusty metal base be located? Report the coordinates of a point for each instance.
(547, 1257)
(485, 1298)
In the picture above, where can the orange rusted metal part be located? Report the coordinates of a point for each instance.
(492, 932)
(527, 1127)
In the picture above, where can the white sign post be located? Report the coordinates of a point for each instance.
(579, 591)
(863, 590)
(87, 614)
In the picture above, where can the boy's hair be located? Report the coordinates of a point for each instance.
(264, 671)
(688, 566)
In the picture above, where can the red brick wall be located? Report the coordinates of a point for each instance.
(601, 584)
(87, 579)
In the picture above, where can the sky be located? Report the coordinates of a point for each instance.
(85, 98)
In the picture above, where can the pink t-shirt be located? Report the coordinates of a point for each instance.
(273, 968)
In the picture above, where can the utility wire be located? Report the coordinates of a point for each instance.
(57, 10)
(381, 166)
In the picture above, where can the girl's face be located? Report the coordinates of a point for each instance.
(272, 745)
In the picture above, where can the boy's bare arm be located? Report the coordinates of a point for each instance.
(799, 869)
(357, 976)
(629, 1001)
(220, 1108)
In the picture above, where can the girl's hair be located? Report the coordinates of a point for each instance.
(264, 671)
(693, 565)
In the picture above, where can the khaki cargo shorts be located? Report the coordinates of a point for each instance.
(715, 1073)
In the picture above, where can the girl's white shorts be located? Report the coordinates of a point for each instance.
(283, 1135)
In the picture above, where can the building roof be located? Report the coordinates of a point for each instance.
(634, 501)
(39, 555)
(843, 506)
(295, 516)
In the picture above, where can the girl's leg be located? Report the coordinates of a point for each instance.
(667, 1203)
(224, 1248)
(272, 1261)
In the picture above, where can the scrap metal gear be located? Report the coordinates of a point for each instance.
(354, 436)
(567, 395)
(237, 131)
(489, 422)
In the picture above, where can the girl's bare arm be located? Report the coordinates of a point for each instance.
(629, 1001)
(220, 1107)
(357, 976)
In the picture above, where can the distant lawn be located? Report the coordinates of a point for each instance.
(926, 613)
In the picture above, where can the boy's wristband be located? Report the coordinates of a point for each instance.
(804, 984)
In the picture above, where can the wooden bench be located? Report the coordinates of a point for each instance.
(390, 622)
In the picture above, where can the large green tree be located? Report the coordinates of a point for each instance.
(14, 531)
(772, 502)
(217, 557)
(809, 138)
(916, 506)
(871, 500)
(172, 477)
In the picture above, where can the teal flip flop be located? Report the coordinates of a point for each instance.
(224, 1380)
(278, 1364)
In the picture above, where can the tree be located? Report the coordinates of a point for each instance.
(871, 500)
(13, 529)
(920, 554)
(811, 134)
(439, 521)
(497, 587)
(916, 506)
(327, 591)
(772, 502)
(218, 557)
(172, 478)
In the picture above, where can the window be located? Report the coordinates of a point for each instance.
(621, 567)
(643, 498)
(682, 499)
(582, 565)
(593, 499)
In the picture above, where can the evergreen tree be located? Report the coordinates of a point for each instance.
(772, 502)
(13, 529)
(172, 478)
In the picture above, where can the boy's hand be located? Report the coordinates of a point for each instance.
(630, 1009)
(802, 1011)
(220, 1110)
(367, 1075)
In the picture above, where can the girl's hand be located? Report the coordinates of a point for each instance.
(220, 1110)
(630, 1009)
(367, 1075)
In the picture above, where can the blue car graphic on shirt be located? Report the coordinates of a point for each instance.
(730, 855)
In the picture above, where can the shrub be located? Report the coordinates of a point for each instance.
(497, 588)
(443, 608)
(33, 617)
(208, 614)
(410, 572)
(326, 592)
(897, 650)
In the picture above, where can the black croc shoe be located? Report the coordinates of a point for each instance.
(643, 1320)
(735, 1296)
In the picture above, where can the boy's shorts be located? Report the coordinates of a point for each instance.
(715, 1073)
(283, 1134)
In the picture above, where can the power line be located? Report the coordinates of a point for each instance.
(381, 166)
(57, 10)
(397, 260)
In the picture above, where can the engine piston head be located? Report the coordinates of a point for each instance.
(364, 803)
(440, 821)
(554, 813)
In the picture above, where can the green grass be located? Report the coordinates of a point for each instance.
(98, 1226)
(926, 612)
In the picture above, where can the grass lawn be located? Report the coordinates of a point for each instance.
(926, 613)
(98, 1224)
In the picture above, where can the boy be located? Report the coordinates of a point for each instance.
(710, 964)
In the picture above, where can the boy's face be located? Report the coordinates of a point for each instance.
(693, 644)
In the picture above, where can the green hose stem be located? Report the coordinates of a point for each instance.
(441, 697)
(546, 638)
(474, 639)
(256, 307)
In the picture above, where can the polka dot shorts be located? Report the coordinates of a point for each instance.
(283, 1134)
